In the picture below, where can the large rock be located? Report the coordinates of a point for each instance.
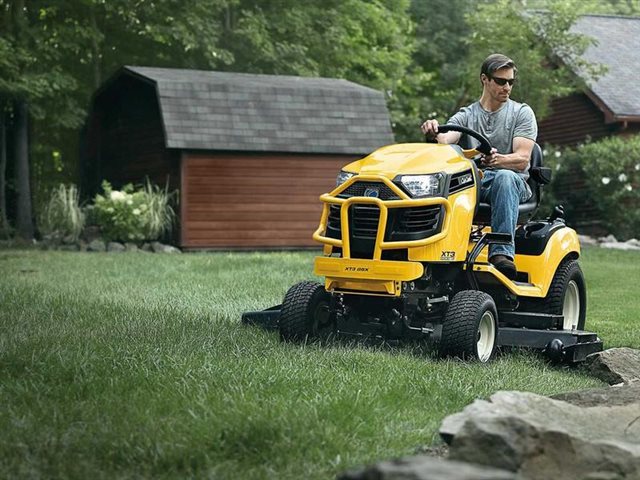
(542, 438)
(612, 396)
(423, 467)
(615, 365)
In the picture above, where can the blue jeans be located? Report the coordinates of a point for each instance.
(504, 190)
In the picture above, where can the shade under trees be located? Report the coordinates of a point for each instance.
(424, 54)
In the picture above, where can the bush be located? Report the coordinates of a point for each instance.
(599, 183)
(62, 217)
(131, 214)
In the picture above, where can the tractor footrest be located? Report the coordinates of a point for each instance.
(540, 321)
(268, 319)
(570, 346)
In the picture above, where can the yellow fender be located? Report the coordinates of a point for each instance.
(563, 244)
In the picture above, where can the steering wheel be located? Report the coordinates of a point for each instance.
(484, 147)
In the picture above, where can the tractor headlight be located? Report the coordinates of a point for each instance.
(343, 177)
(423, 185)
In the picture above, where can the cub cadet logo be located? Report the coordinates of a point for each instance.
(448, 256)
(356, 269)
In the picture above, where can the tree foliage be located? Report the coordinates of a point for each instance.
(367, 42)
(546, 52)
(425, 54)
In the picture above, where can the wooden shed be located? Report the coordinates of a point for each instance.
(250, 154)
(610, 105)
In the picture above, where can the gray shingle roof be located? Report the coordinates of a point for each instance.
(238, 111)
(618, 48)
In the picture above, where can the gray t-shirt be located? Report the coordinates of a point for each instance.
(513, 119)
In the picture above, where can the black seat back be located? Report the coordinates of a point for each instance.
(538, 175)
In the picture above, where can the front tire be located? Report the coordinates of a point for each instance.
(305, 312)
(470, 329)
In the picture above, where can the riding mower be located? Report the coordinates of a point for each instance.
(405, 242)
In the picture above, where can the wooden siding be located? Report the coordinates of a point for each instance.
(573, 119)
(254, 201)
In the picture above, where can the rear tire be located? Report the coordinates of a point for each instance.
(305, 313)
(567, 296)
(470, 328)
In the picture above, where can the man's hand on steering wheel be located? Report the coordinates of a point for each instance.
(430, 128)
(490, 160)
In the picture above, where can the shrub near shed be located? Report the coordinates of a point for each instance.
(132, 215)
(598, 183)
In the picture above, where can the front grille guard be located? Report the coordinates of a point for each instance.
(380, 245)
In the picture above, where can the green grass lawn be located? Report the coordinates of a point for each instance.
(129, 365)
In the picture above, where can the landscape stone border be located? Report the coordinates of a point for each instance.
(99, 245)
(592, 434)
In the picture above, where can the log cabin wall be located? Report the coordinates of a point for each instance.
(573, 119)
(254, 200)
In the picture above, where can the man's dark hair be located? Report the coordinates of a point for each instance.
(495, 62)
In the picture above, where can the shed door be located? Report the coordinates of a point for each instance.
(259, 201)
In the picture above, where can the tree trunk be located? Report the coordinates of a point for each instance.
(24, 220)
(95, 46)
(4, 222)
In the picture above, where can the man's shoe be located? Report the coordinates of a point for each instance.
(504, 266)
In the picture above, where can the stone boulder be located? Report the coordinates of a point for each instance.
(115, 247)
(131, 247)
(619, 246)
(634, 242)
(608, 239)
(96, 246)
(541, 438)
(615, 365)
(587, 240)
(158, 247)
(614, 396)
(423, 467)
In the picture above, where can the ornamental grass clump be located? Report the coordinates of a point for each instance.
(62, 216)
(133, 215)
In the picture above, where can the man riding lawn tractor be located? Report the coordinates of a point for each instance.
(406, 231)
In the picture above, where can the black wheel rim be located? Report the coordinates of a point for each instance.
(321, 317)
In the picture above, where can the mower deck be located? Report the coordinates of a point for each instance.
(525, 330)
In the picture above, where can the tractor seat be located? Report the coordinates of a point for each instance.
(538, 175)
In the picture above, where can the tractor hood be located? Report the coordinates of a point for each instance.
(410, 159)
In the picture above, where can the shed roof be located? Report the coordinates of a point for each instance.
(618, 48)
(249, 112)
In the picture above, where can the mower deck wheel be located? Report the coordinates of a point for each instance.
(470, 328)
(305, 312)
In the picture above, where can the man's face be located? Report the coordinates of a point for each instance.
(491, 83)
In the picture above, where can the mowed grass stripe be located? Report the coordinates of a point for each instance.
(137, 365)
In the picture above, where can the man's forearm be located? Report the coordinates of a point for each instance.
(513, 161)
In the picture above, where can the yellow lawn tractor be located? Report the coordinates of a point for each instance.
(405, 256)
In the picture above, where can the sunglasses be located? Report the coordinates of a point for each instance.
(502, 81)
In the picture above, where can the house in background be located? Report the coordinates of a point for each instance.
(249, 154)
(611, 104)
